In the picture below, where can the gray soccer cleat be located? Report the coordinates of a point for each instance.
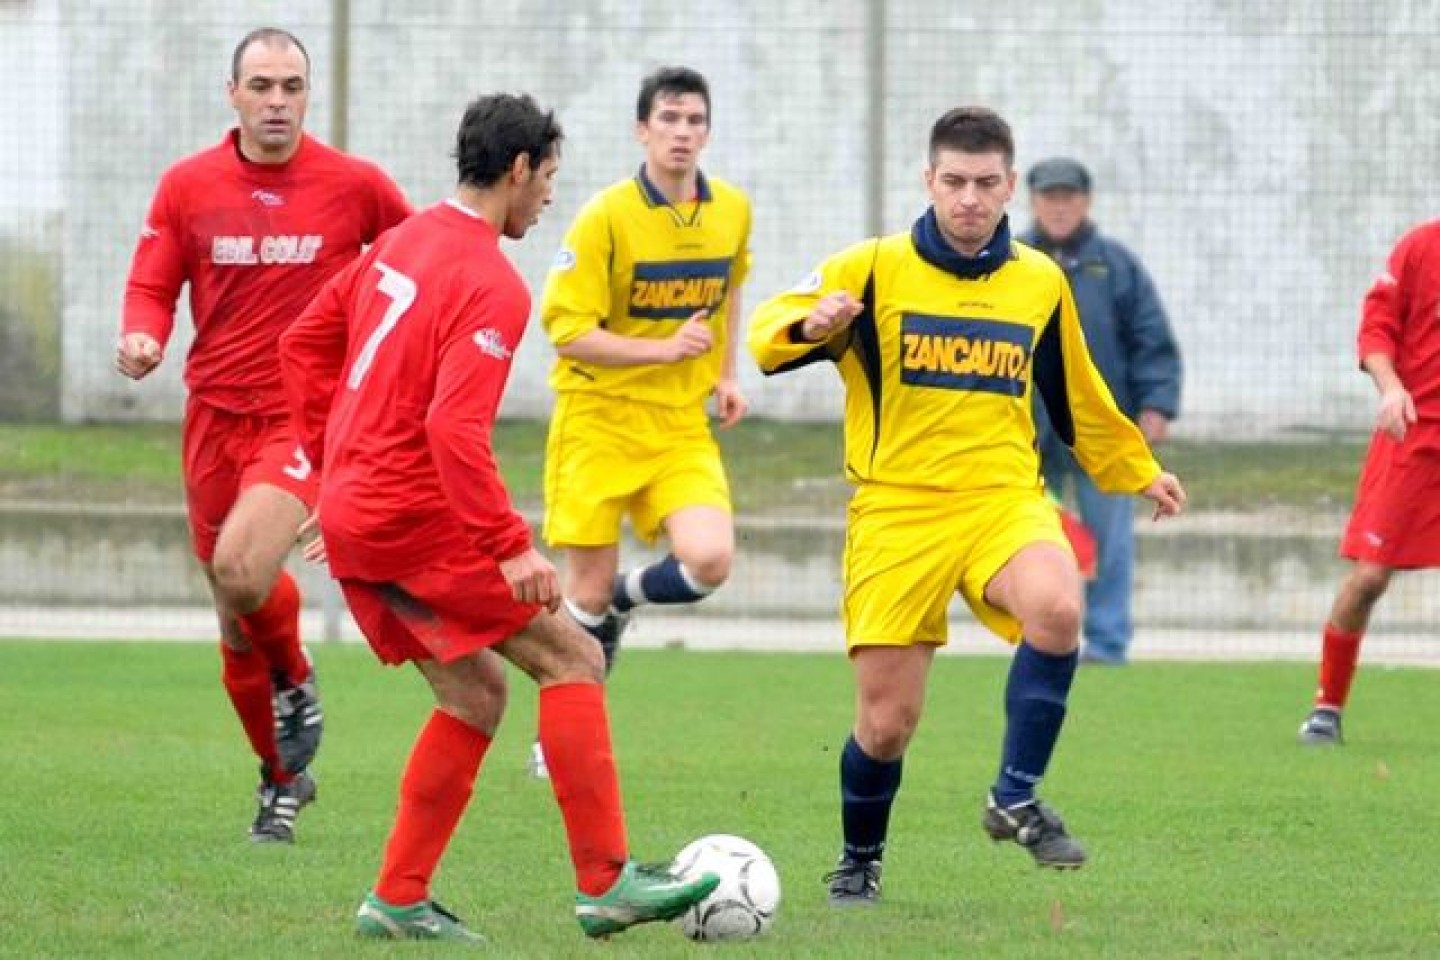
(1322, 728)
(299, 721)
(609, 633)
(280, 804)
(854, 883)
(1038, 829)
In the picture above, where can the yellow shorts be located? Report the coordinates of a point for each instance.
(908, 551)
(607, 457)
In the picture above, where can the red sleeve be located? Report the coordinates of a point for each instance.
(157, 270)
(312, 355)
(1382, 318)
(470, 375)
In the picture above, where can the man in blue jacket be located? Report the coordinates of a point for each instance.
(1132, 345)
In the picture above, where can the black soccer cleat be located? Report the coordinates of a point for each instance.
(611, 629)
(854, 883)
(1322, 728)
(1038, 829)
(280, 804)
(299, 721)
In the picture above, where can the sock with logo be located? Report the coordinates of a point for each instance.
(1035, 697)
(867, 792)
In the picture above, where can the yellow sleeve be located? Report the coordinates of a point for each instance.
(740, 272)
(770, 333)
(1109, 447)
(577, 289)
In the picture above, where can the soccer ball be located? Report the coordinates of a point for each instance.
(743, 905)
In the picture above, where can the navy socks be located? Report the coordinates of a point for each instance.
(1035, 697)
(666, 581)
(867, 791)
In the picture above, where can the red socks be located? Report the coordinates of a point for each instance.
(1338, 658)
(274, 630)
(247, 680)
(575, 735)
(440, 777)
(434, 791)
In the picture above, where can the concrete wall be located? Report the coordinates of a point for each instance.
(1261, 157)
(1277, 577)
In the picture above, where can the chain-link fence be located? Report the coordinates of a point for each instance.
(1261, 158)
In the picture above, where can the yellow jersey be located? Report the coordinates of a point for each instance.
(939, 370)
(639, 266)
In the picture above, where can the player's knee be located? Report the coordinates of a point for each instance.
(239, 585)
(885, 731)
(1055, 626)
(710, 568)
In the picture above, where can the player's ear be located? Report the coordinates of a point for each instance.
(520, 171)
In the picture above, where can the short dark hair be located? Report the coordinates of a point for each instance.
(972, 130)
(496, 129)
(671, 81)
(267, 35)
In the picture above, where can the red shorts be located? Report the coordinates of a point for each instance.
(444, 612)
(226, 453)
(1396, 520)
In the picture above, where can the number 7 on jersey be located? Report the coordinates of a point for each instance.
(401, 290)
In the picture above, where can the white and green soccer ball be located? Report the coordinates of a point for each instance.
(743, 905)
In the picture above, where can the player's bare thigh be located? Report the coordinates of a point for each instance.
(1040, 586)
(553, 649)
(257, 535)
(471, 688)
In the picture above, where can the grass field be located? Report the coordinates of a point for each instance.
(773, 466)
(127, 796)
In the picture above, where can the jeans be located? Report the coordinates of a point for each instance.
(1108, 624)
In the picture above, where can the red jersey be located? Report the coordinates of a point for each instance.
(394, 375)
(255, 242)
(1401, 319)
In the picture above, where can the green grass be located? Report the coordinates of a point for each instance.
(774, 466)
(128, 792)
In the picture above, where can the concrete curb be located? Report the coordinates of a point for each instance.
(701, 633)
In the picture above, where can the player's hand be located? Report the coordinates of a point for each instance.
(830, 316)
(1396, 413)
(313, 549)
(730, 403)
(693, 339)
(137, 354)
(1167, 494)
(1154, 425)
(532, 578)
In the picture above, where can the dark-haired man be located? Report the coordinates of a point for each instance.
(940, 335)
(394, 375)
(643, 306)
(255, 225)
